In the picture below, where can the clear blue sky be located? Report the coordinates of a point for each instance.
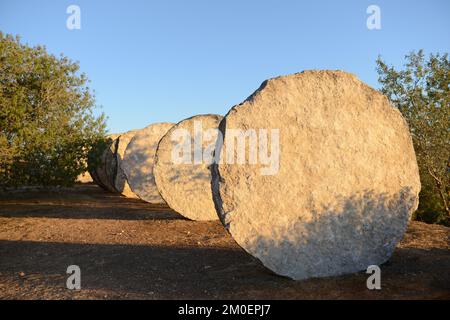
(152, 61)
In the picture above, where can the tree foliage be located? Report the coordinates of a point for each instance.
(47, 125)
(421, 91)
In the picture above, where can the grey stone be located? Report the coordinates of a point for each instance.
(118, 174)
(138, 159)
(103, 171)
(186, 185)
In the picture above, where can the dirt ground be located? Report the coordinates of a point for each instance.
(128, 249)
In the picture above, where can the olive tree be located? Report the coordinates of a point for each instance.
(47, 124)
(421, 91)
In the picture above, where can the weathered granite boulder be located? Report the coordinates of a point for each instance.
(138, 159)
(182, 166)
(104, 156)
(118, 174)
(335, 178)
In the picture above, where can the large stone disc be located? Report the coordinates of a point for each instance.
(110, 165)
(182, 166)
(345, 185)
(119, 177)
(106, 158)
(94, 161)
(138, 159)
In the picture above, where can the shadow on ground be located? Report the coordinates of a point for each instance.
(82, 202)
(127, 271)
(156, 269)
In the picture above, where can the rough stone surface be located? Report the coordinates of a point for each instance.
(186, 186)
(138, 159)
(119, 177)
(103, 171)
(110, 164)
(347, 182)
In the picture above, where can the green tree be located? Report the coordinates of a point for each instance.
(421, 91)
(47, 125)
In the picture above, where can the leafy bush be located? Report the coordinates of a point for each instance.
(47, 125)
(422, 94)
